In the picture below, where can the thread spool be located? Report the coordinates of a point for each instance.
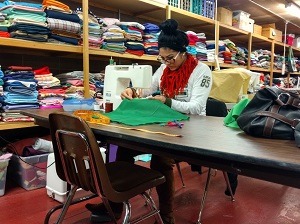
(108, 107)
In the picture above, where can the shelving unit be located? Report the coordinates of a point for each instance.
(151, 11)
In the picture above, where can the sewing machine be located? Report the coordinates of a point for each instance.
(118, 77)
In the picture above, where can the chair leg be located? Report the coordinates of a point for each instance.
(180, 173)
(110, 211)
(228, 185)
(67, 204)
(209, 174)
(127, 212)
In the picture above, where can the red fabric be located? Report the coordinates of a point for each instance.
(20, 68)
(4, 34)
(42, 71)
(192, 39)
(172, 82)
(136, 52)
(58, 91)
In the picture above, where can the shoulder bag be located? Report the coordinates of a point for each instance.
(272, 113)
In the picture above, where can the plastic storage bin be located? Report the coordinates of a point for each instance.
(3, 170)
(78, 104)
(28, 172)
(57, 188)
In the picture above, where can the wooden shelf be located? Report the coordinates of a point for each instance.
(15, 125)
(44, 46)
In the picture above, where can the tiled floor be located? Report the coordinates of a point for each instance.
(256, 202)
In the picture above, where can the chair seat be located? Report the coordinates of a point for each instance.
(125, 177)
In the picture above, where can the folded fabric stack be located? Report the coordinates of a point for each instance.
(4, 24)
(1, 87)
(65, 25)
(211, 45)
(45, 78)
(51, 98)
(193, 38)
(95, 29)
(73, 83)
(261, 58)
(19, 92)
(239, 55)
(27, 20)
(150, 38)
(201, 47)
(134, 37)
(113, 36)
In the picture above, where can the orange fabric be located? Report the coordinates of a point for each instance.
(47, 3)
(172, 82)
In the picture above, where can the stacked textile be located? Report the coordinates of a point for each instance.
(150, 38)
(261, 58)
(1, 87)
(19, 92)
(73, 83)
(27, 20)
(4, 24)
(134, 37)
(193, 38)
(95, 30)
(113, 36)
(65, 25)
(201, 47)
(211, 45)
(239, 55)
(51, 98)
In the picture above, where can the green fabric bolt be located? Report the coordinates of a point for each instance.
(144, 111)
(230, 119)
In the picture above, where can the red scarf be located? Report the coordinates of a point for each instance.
(173, 82)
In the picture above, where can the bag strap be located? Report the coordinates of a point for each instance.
(287, 99)
(293, 123)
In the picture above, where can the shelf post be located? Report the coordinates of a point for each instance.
(85, 48)
(249, 50)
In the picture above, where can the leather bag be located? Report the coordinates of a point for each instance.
(272, 113)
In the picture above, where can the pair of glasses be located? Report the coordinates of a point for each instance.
(167, 61)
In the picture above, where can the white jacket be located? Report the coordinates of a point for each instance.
(193, 99)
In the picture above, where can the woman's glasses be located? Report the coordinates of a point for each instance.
(167, 61)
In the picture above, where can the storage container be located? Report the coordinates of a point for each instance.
(224, 16)
(257, 29)
(289, 39)
(28, 172)
(78, 104)
(3, 171)
(272, 33)
(241, 20)
(57, 188)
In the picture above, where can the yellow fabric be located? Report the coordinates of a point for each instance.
(228, 84)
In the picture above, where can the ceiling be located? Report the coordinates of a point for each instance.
(267, 11)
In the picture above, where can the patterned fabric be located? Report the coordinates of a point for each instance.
(63, 25)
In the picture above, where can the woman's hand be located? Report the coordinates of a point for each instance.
(158, 97)
(128, 93)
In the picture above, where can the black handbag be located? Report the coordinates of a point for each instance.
(291, 61)
(272, 113)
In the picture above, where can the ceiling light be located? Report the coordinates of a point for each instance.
(292, 9)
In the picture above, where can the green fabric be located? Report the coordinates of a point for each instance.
(144, 111)
(230, 119)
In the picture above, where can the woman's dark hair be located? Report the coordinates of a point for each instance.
(171, 37)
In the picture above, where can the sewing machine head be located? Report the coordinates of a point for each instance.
(118, 78)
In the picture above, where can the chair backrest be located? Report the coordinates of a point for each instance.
(216, 108)
(77, 156)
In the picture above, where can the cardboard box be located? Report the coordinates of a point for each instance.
(272, 33)
(224, 16)
(257, 29)
(3, 170)
(28, 172)
(270, 25)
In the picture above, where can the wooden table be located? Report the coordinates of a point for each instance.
(206, 141)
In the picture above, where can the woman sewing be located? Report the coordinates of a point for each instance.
(184, 84)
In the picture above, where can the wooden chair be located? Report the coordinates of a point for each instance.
(80, 164)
